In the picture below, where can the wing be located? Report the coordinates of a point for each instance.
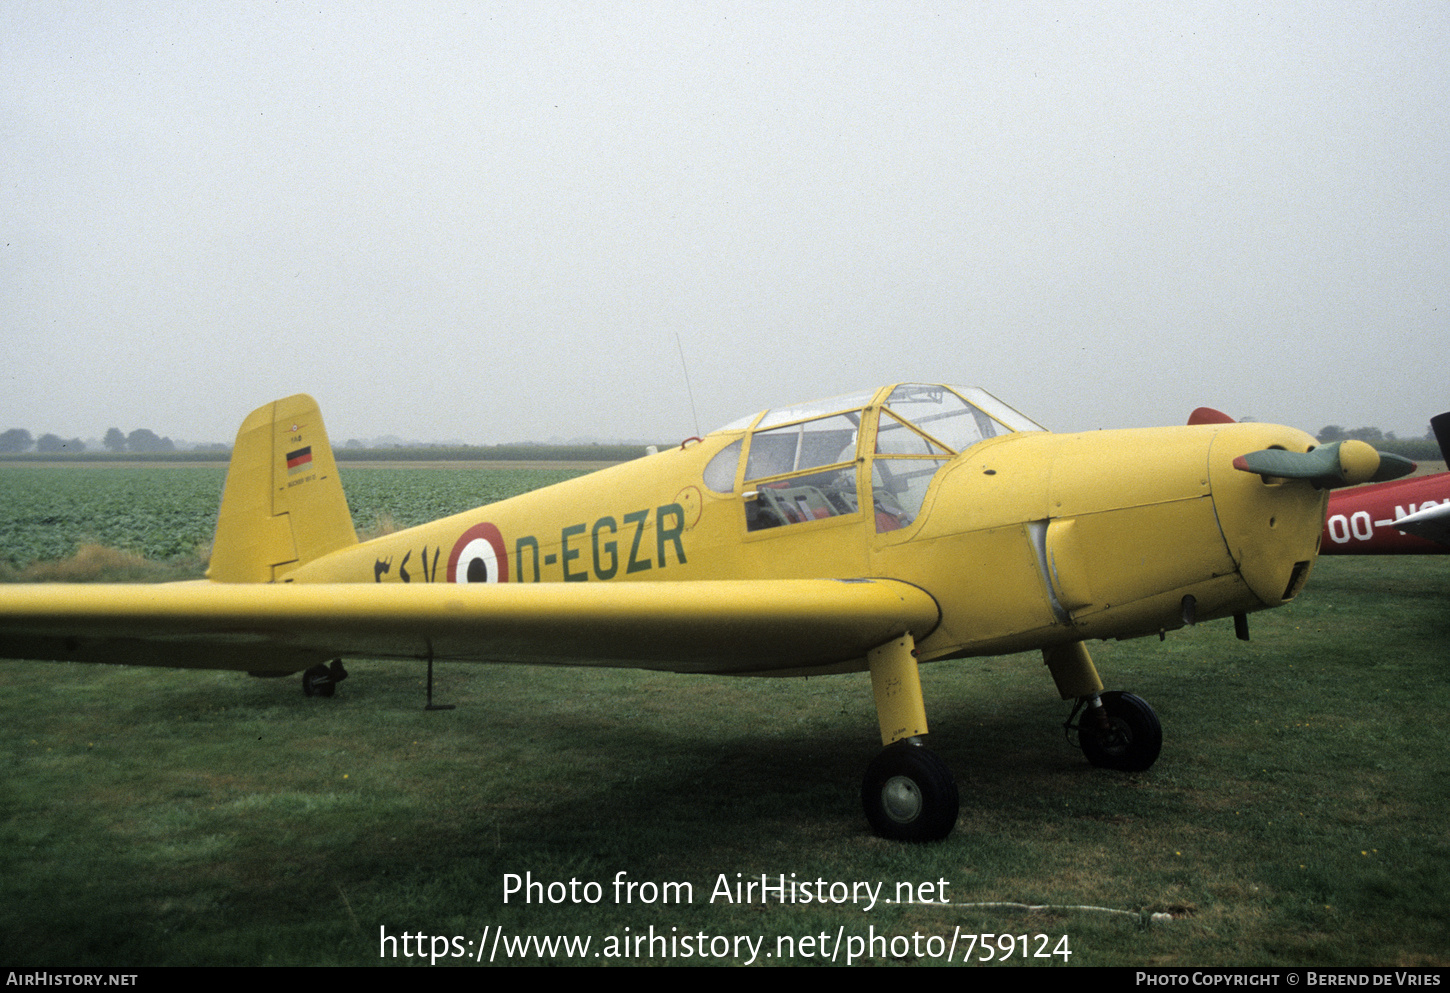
(1432, 523)
(767, 627)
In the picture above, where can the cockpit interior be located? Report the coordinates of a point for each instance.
(875, 450)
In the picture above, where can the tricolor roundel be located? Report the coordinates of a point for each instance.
(478, 556)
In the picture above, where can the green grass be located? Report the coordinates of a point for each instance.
(1297, 815)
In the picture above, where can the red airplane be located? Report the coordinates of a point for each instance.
(1401, 517)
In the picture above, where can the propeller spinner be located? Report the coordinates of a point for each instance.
(1341, 463)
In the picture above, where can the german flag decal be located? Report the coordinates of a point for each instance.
(299, 461)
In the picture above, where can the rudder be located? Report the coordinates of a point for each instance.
(283, 503)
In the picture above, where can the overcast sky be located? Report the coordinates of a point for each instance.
(494, 221)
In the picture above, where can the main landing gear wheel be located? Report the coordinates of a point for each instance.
(1131, 741)
(322, 680)
(910, 794)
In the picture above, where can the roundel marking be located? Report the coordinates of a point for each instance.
(478, 556)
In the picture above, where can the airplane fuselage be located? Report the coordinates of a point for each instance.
(1025, 539)
(1361, 521)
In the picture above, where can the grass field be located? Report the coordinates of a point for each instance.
(1297, 815)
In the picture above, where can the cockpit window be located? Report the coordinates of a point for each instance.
(720, 472)
(801, 499)
(801, 463)
(823, 441)
(898, 489)
(895, 437)
(783, 492)
(805, 411)
(998, 411)
(941, 417)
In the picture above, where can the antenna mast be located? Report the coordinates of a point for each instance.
(688, 392)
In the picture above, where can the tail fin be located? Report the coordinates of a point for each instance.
(283, 504)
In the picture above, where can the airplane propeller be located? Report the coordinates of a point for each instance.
(1341, 463)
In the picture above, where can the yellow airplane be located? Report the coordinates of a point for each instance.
(874, 531)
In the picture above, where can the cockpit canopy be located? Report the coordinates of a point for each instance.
(800, 463)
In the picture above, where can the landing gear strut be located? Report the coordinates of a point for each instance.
(1117, 730)
(909, 794)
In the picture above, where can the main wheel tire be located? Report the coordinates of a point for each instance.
(1132, 740)
(909, 794)
(318, 681)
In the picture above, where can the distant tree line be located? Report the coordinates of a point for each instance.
(15, 440)
(1333, 432)
(19, 440)
(142, 440)
(521, 452)
(145, 444)
(1420, 449)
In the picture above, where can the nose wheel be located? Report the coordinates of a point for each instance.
(1122, 733)
(909, 794)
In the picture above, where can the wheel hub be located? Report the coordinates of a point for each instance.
(1118, 737)
(901, 799)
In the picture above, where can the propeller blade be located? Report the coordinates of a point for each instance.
(1440, 424)
(1342, 463)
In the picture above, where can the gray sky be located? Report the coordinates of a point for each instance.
(490, 221)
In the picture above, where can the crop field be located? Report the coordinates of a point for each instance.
(1297, 816)
(167, 513)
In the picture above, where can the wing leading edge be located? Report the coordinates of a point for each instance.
(1432, 523)
(771, 627)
